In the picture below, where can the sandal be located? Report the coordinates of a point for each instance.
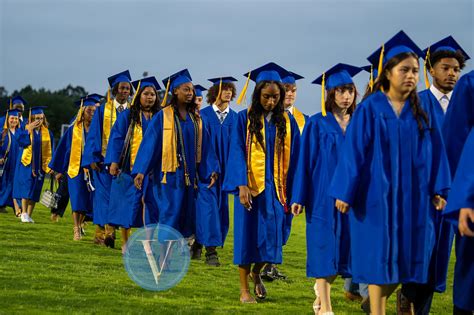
(250, 300)
(259, 289)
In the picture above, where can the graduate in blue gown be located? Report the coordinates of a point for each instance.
(9, 153)
(130, 207)
(327, 230)
(95, 150)
(18, 103)
(444, 59)
(66, 162)
(393, 168)
(458, 125)
(176, 152)
(212, 205)
(263, 149)
(37, 144)
(198, 89)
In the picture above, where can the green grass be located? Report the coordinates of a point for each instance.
(43, 271)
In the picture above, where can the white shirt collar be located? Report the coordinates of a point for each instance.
(216, 109)
(269, 116)
(438, 94)
(117, 104)
(291, 109)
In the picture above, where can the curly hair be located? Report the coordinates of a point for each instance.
(211, 96)
(256, 111)
(331, 98)
(136, 106)
(438, 55)
(382, 82)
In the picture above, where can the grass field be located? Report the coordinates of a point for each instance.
(43, 271)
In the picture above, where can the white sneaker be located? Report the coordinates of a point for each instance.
(24, 218)
(30, 220)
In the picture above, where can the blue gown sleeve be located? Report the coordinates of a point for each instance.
(117, 138)
(344, 184)
(462, 190)
(209, 163)
(93, 146)
(294, 154)
(236, 169)
(60, 160)
(149, 153)
(23, 138)
(459, 119)
(308, 155)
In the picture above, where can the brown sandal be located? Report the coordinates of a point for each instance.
(259, 288)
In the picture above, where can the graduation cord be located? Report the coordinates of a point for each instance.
(281, 157)
(187, 179)
(196, 136)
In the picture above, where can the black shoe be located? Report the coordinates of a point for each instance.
(266, 273)
(277, 274)
(109, 241)
(212, 259)
(196, 251)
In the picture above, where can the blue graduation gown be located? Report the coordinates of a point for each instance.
(327, 230)
(389, 175)
(260, 233)
(443, 230)
(175, 200)
(459, 118)
(212, 204)
(27, 186)
(101, 179)
(79, 195)
(6, 181)
(126, 208)
(462, 196)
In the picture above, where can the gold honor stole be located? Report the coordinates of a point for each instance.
(300, 120)
(110, 115)
(76, 146)
(256, 162)
(169, 152)
(137, 137)
(46, 150)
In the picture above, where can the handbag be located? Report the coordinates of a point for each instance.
(49, 198)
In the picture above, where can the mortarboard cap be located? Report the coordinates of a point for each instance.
(123, 76)
(291, 79)
(149, 81)
(199, 89)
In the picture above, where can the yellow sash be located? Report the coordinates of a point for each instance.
(110, 115)
(137, 137)
(300, 120)
(169, 152)
(76, 146)
(256, 162)
(46, 150)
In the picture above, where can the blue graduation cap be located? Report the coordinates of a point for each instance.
(268, 72)
(291, 79)
(340, 74)
(216, 81)
(149, 81)
(199, 89)
(398, 44)
(123, 76)
(86, 101)
(446, 44)
(36, 110)
(18, 100)
(177, 79)
(13, 112)
(96, 97)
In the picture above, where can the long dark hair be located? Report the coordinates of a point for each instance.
(331, 98)
(256, 111)
(382, 83)
(136, 106)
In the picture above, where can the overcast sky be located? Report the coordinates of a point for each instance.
(52, 44)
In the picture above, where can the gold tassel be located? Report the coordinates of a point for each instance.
(5, 125)
(244, 90)
(108, 95)
(425, 70)
(11, 103)
(323, 90)
(165, 98)
(382, 51)
(218, 99)
(136, 92)
(371, 82)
